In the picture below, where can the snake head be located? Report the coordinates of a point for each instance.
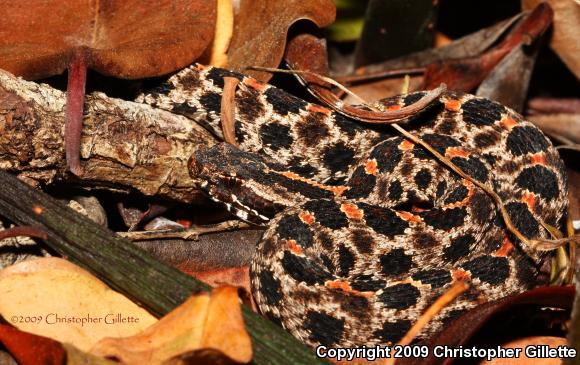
(242, 181)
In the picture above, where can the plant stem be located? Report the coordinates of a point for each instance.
(75, 99)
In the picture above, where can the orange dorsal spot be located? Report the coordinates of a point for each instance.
(406, 145)
(456, 152)
(394, 107)
(199, 66)
(508, 123)
(371, 167)
(337, 284)
(336, 190)
(453, 105)
(344, 286)
(506, 247)
(351, 211)
(460, 275)
(409, 217)
(306, 218)
(294, 247)
(318, 109)
(530, 200)
(538, 159)
(254, 84)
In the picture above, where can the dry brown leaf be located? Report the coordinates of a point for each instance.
(566, 29)
(128, 39)
(35, 294)
(204, 326)
(260, 29)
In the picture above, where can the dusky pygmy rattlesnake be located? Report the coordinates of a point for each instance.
(366, 229)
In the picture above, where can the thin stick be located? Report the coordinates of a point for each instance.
(26, 231)
(228, 110)
(192, 233)
(75, 99)
(447, 297)
(573, 147)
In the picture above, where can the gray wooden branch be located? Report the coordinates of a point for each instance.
(130, 270)
(124, 145)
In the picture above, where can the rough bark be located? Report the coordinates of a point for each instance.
(124, 145)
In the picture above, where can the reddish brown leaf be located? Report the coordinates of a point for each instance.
(29, 349)
(234, 276)
(466, 73)
(540, 105)
(260, 31)
(127, 39)
(308, 52)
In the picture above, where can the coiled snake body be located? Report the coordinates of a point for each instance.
(366, 229)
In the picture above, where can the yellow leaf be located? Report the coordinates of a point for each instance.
(54, 298)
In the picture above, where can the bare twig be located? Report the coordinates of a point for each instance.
(27, 231)
(125, 146)
(188, 234)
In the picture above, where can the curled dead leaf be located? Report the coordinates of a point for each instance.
(564, 40)
(203, 327)
(260, 31)
(467, 73)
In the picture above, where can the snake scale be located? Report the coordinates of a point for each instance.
(365, 229)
